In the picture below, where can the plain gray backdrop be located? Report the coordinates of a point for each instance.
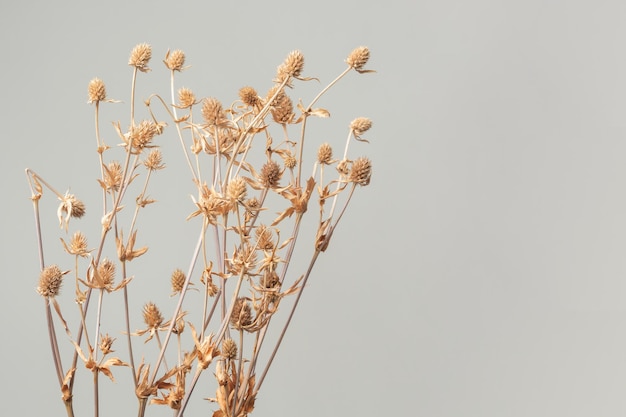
(482, 273)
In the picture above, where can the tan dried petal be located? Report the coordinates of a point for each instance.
(97, 91)
(175, 60)
(361, 171)
(140, 56)
(325, 154)
(358, 57)
(50, 281)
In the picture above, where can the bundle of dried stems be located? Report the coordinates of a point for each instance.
(242, 254)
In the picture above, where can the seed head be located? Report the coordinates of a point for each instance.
(142, 134)
(289, 160)
(154, 161)
(97, 91)
(106, 343)
(249, 96)
(242, 314)
(212, 111)
(70, 207)
(361, 171)
(175, 60)
(152, 316)
(50, 281)
(358, 58)
(237, 189)
(270, 174)
(186, 98)
(178, 280)
(360, 125)
(229, 349)
(282, 106)
(106, 270)
(78, 245)
(291, 67)
(264, 237)
(112, 176)
(140, 56)
(324, 154)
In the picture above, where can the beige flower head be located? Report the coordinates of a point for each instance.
(282, 106)
(141, 135)
(177, 280)
(50, 281)
(175, 60)
(154, 161)
(242, 314)
(360, 125)
(361, 171)
(96, 91)
(140, 56)
(212, 111)
(291, 67)
(270, 174)
(249, 96)
(186, 98)
(358, 58)
(70, 207)
(237, 189)
(324, 154)
(106, 344)
(152, 315)
(77, 246)
(229, 349)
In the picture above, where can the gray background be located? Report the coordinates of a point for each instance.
(482, 271)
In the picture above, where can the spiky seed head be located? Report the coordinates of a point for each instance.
(154, 161)
(270, 174)
(152, 315)
(186, 98)
(50, 281)
(292, 66)
(242, 314)
(175, 60)
(78, 244)
(360, 125)
(264, 238)
(106, 269)
(229, 349)
(269, 279)
(178, 280)
(249, 96)
(212, 111)
(140, 56)
(70, 207)
(142, 134)
(281, 106)
(290, 161)
(237, 189)
(324, 154)
(358, 58)
(106, 344)
(113, 176)
(96, 91)
(361, 171)
(179, 326)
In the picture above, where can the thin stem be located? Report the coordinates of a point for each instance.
(127, 322)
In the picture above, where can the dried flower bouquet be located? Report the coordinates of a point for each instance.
(248, 213)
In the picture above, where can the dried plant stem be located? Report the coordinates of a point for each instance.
(286, 325)
(127, 323)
